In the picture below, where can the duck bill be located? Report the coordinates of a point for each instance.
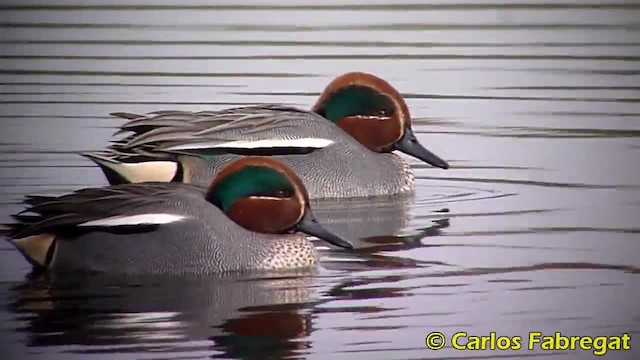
(311, 226)
(409, 145)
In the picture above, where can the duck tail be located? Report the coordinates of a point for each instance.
(134, 169)
(125, 115)
(37, 249)
(109, 166)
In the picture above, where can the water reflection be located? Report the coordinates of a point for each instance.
(250, 316)
(128, 314)
(360, 218)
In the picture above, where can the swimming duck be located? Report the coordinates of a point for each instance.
(251, 217)
(350, 155)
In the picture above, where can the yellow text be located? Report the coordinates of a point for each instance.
(599, 345)
(463, 341)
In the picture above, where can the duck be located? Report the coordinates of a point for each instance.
(342, 148)
(254, 215)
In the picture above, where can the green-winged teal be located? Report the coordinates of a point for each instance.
(251, 217)
(348, 156)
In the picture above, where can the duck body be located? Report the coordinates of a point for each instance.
(199, 239)
(343, 174)
(342, 148)
(171, 228)
(343, 168)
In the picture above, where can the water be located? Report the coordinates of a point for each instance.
(534, 228)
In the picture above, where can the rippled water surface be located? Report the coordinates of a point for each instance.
(534, 228)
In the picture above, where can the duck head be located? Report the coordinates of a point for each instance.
(374, 113)
(263, 195)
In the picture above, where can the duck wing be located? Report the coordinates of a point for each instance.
(250, 130)
(134, 207)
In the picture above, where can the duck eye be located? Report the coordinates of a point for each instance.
(284, 193)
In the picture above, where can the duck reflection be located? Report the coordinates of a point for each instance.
(373, 225)
(376, 252)
(278, 333)
(361, 218)
(133, 314)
